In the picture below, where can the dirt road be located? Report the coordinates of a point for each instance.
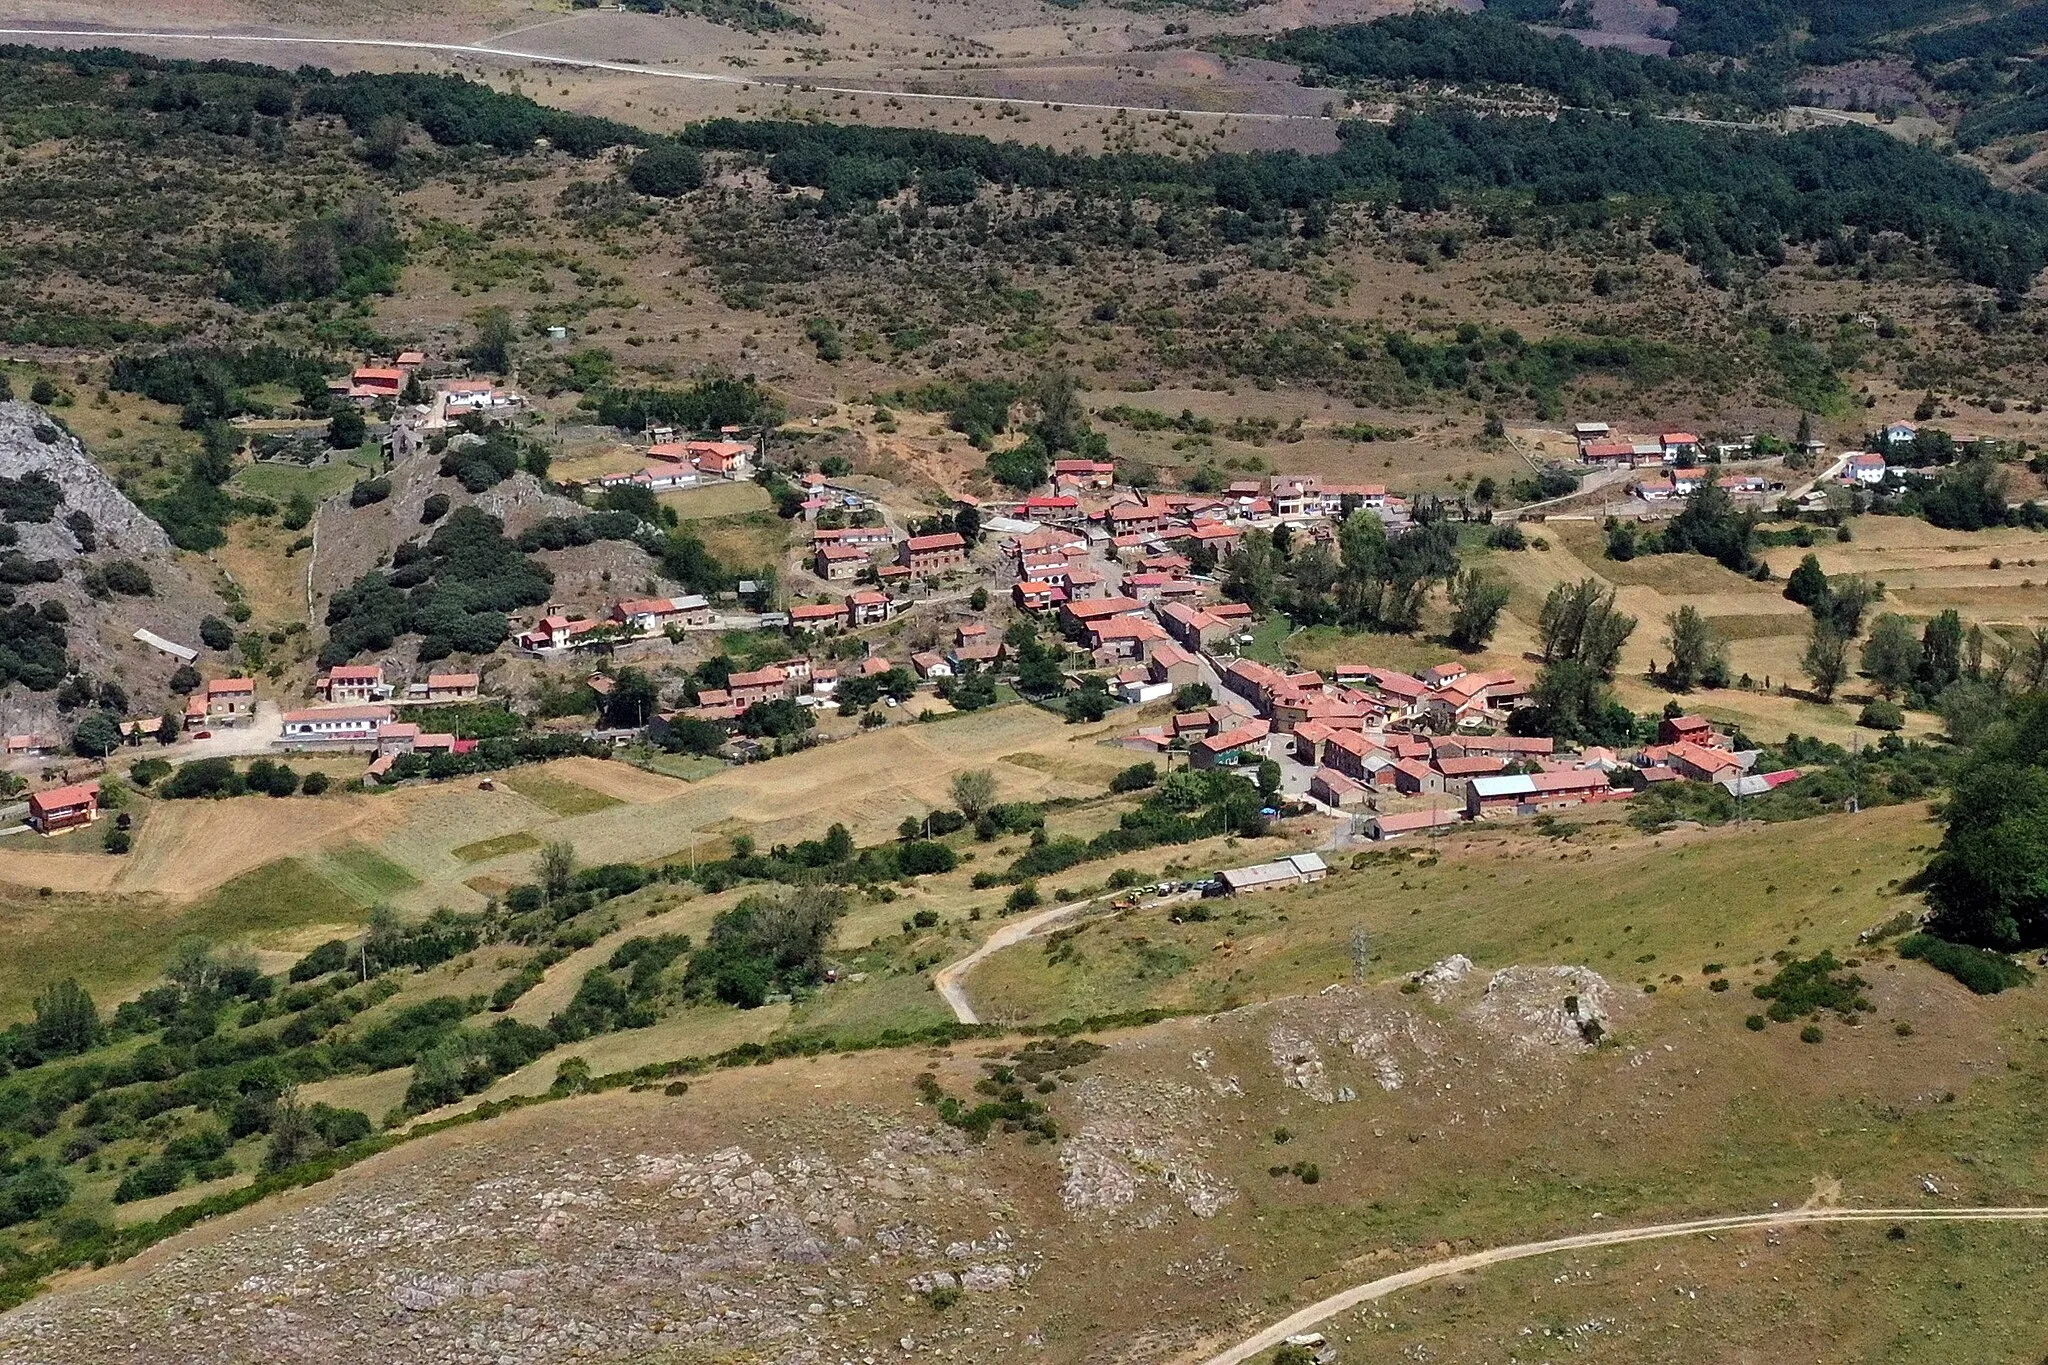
(948, 982)
(1321, 1312)
(626, 68)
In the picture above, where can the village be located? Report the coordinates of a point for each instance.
(1131, 577)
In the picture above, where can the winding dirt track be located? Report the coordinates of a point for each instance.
(1322, 1311)
(949, 978)
(627, 68)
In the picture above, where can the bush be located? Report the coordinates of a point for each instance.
(1137, 777)
(434, 508)
(666, 171)
(315, 783)
(1802, 986)
(1980, 969)
(205, 777)
(1882, 715)
(127, 577)
(148, 770)
(369, 491)
(215, 633)
(324, 960)
(1025, 897)
(1811, 1034)
(923, 857)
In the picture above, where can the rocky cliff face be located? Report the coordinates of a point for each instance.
(100, 630)
(30, 443)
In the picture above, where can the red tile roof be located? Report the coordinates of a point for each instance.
(64, 798)
(949, 540)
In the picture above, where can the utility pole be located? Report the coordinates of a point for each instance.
(1361, 953)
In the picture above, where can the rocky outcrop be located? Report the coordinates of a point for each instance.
(31, 443)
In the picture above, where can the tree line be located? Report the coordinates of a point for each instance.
(1715, 194)
(1488, 48)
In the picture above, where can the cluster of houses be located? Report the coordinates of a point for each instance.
(1196, 516)
(630, 619)
(386, 382)
(1676, 455)
(840, 554)
(812, 682)
(1414, 752)
(675, 464)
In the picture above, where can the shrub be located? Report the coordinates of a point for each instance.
(215, 633)
(369, 491)
(1802, 986)
(921, 857)
(205, 777)
(1882, 715)
(666, 171)
(434, 508)
(148, 770)
(1137, 777)
(328, 958)
(1025, 897)
(315, 783)
(1811, 1034)
(1756, 1023)
(127, 577)
(1983, 971)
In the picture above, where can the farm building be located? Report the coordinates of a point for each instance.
(1527, 795)
(1297, 869)
(1384, 827)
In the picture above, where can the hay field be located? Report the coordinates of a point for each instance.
(687, 1033)
(717, 500)
(187, 848)
(620, 781)
(652, 911)
(1926, 569)
(556, 794)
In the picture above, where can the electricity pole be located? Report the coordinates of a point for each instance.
(1361, 953)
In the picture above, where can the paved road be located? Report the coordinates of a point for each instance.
(625, 68)
(1321, 1312)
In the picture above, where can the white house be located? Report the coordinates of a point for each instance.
(1900, 434)
(1863, 467)
(1679, 447)
(334, 725)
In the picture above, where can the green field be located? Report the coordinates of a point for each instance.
(686, 767)
(364, 873)
(114, 945)
(717, 500)
(483, 849)
(280, 481)
(563, 798)
(1636, 908)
